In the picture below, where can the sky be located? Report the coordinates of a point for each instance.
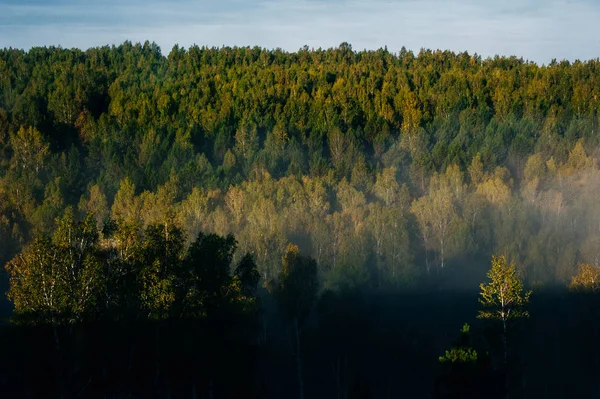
(536, 30)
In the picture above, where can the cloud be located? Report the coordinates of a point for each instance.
(533, 29)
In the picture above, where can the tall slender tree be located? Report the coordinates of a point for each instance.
(503, 298)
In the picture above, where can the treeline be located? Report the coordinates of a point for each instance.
(384, 167)
(136, 313)
(73, 277)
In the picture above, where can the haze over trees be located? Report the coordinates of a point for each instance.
(324, 148)
(137, 187)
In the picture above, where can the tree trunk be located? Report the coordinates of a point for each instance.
(504, 342)
(298, 360)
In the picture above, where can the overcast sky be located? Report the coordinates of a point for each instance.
(538, 30)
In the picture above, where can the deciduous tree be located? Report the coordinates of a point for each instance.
(503, 298)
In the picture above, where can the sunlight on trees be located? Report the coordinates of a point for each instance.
(503, 298)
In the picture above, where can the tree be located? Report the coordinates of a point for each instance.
(437, 213)
(465, 372)
(58, 280)
(159, 262)
(195, 210)
(338, 146)
(245, 283)
(246, 145)
(585, 286)
(296, 292)
(503, 297)
(587, 279)
(126, 205)
(30, 151)
(462, 351)
(388, 226)
(96, 205)
(386, 187)
(206, 273)
(248, 275)
(264, 234)
(476, 170)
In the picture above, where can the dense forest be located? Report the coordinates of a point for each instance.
(285, 219)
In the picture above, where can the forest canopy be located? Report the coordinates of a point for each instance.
(386, 168)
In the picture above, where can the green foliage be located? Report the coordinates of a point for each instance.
(59, 279)
(30, 151)
(158, 261)
(248, 275)
(297, 285)
(459, 355)
(503, 297)
(362, 157)
(73, 276)
(383, 167)
(461, 352)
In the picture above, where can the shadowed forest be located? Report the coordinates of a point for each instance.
(253, 223)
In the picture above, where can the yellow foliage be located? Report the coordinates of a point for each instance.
(494, 190)
(578, 161)
(587, 279)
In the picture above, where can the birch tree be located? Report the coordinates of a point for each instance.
(437, 215)
(503, 298)
(58, 280)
